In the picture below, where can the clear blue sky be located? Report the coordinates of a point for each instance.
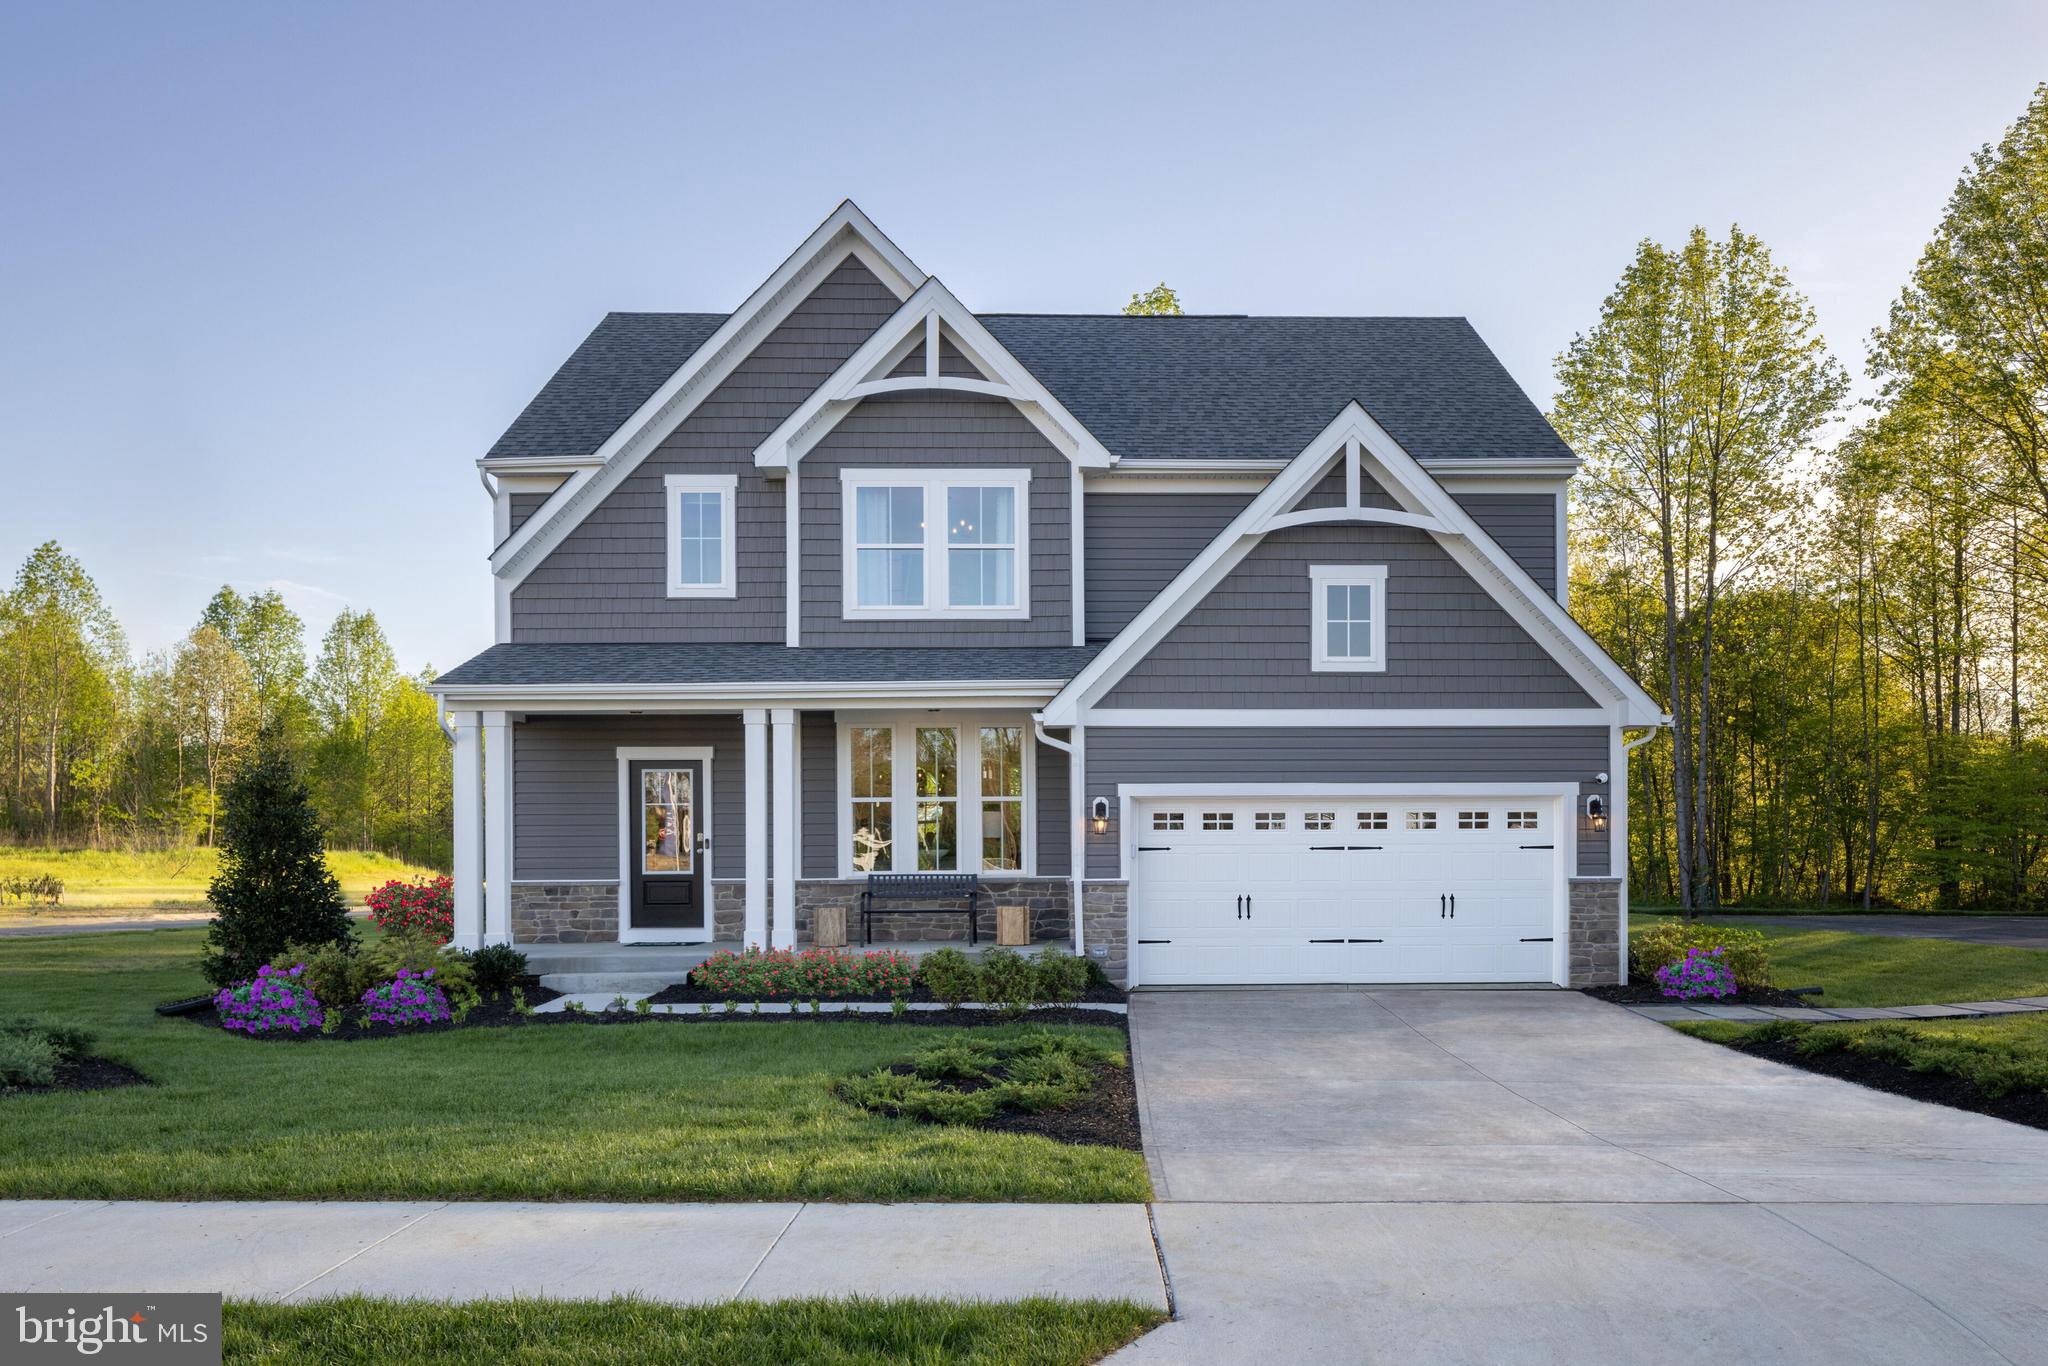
(273, 276)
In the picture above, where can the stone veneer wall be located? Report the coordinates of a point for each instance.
(564, 912)
(1593, 915)
(728, 911)
(1051, 901)
(1105, 928)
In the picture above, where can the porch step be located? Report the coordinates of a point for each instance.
(635, 959)
(627, 984)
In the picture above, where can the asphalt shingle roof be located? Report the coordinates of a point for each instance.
(544, 665)
(1176, 388)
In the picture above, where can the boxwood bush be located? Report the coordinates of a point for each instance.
(1748, 953)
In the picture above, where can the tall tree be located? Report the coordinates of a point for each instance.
(272, 641)
(67, 646)
(216, 706)
(1160, 301)
(351, 679)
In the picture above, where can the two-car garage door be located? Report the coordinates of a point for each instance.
(1345, 889)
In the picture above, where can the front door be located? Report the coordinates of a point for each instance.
(667, 892)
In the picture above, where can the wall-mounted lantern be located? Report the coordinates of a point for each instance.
(1098, 815)
(1596, 812)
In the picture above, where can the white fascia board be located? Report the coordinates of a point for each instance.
(536, 465)
(866, 372)
(1418, 493)
(848, 232)
(733, 697)
(1343, 718)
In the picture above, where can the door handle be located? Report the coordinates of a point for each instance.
(1240, 908)
(1441, 899)
(1454, 905)
(1247, 906)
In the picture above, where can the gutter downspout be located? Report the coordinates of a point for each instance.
(1077, 813)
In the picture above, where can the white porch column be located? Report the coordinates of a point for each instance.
(497, 813)
(784, 721)
(756, 720)
(1077, 825)
(469, 831)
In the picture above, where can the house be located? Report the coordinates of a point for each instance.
(1236, 648)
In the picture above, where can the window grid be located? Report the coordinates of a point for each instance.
(1169, 820)
(1269, 820)
(938, 799)
(874, 805)
(1319, 820)
(1422, 820)
(1219, 820)
(1002, 798)
(1372, 820)
(1473, 820)
(1522, 820)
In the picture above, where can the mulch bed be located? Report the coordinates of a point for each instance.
(689, 994)
(952, 1019)
(1650, 994)
(83, 1074)
(493, 1012)
(1938, 1088)
(1107, 1116)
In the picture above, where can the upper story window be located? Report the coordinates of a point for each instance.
(936, 543)
(1350, 610)
(700, 535)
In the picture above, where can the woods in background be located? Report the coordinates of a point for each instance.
(1848, 634)
(102, 747)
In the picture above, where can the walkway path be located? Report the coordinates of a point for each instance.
(279, 1250)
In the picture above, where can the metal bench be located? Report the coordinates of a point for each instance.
(886, 887)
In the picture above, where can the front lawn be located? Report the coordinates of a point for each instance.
(583, 1112)
(115, 879)
(483, 1333)
(1892, 970)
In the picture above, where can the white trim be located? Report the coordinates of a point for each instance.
(935, 485)
(866, 373)
(497, 815)
(1323, 576)
(847, 232)
(1335, 718)
(467, 799)
(754, 931)
(725, 696)
(1354, 430)
(1124, 480)
(727, 487)
(536, 466)
(1378, 516)
(782, 882)
(792, 561)
(967, 726)
(626, 756)
(1564, 557)
(1077, 547)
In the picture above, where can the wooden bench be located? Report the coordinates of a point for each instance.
(886, 887)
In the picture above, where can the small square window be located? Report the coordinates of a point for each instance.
(1269, 820)
(1169, 820)
(700, 534)
(1349, 626)
(1319, 820)
(1372, 820)
(1473, 820)
(1522, 820)
(1422, 820)
(1219, 820)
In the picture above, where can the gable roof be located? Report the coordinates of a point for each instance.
(625, 358)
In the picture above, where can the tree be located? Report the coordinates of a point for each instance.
(413, 776)
(64, 646)
(1160, 301)
(272, 641)
(273, 888)
(216, 706)
(351, 679)
(1705, 374)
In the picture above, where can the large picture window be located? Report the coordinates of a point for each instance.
(1349, 617)
(700, 535)
(961, 783)
(936, 543)
(938, 799)
(873, 785)
(1002, 798)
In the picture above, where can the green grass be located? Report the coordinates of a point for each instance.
(113, 879)
(2001, 1054)
(722, 1111)
(1891, 970)
(1036, 1332)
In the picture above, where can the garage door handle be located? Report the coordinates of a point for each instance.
(1247, 907)
(1454, 905)
(1440, 903)
(1240, 908)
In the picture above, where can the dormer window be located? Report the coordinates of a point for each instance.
(700, 535)
(936, 543)
(1350, 611)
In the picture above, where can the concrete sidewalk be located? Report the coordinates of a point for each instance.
(684, 1254)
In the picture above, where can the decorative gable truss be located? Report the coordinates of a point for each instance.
(931, 325)
(1363, 447)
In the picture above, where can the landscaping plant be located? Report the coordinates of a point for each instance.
(412, 998)
(1062, 978)
(27, 1060)
(1747, 952)
(1702, 973)
(336, 974)
(273, 887)
(497, 967)
(270, 1001)
(823, 974)
(410, 951)
(967, 1081)
(1009, 981)
(951, 976)
(426, 907)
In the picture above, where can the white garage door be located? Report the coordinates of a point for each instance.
(1380, 889)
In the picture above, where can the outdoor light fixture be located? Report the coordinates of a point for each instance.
(1596, 811)
(1099, 812)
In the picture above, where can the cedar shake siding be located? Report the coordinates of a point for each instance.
(1247, 643)
(1138, 542)
(1419, 755)
(608, 579)
(1525, 525)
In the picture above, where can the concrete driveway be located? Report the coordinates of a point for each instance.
(1488, 1176)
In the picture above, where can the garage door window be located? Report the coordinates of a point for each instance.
(1319, 820)
(1472, 820)
(1169, 820)
(1422, 820)
(1372, 820)
(1219, 820)
(1269, 820)
(1522, 820)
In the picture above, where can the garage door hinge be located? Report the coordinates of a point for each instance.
(1544, 940)
(1155, 848)
(1539, 846)
(1365, 941)
(1320, 848)
(1356, 848)
(1325, 941)
(1155, 941)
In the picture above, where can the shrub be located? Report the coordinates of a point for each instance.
(1748, 953)
(967, 1081)
(273, 887)
(411, 998)
(813, 975)
(497, 967)
(46, 888)
(27, 1060)
(426, 907)
(336, 974)
(1009, 981)
(951, 976)
(69, 1040)
(411, 952)
(1700, 974)
(270, 1001)
(1062, 977)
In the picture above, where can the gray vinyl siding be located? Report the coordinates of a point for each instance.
(523, 506)
(1419, 755)
(565, 791)
(1137, 542)
(1054, 838)
(819, 748)
(607, 581)
(1247, 643)
(922, 432)
(1525, 524)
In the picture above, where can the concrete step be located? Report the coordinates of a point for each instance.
(627, 984)
(613, 958)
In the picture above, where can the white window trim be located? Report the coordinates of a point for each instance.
(934, 483)
(726, 486)
(903, 795)
(1322, 576)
